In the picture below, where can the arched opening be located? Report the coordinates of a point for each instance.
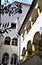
(5, 59)
(14, 59)
(15, 41)
(23, 55)
(36, 40)
(29, 47)
(40, 47)
(7, 40)
(23, 51)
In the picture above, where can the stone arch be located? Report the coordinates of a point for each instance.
(36, 36)
(15, 41)
(5, 58)
(40, 47)
(7, 40)
(23, 51)
(29, 47)
(36, 40)
(14, 59)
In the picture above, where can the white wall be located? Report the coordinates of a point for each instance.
(8, 49)
(19, 45)
(33, 30)
(6, 18)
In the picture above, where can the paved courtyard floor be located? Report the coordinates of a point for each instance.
(35, 60)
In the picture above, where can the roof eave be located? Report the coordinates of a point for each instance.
(21, 3)
(27, 16)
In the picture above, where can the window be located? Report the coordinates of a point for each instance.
(14, 59)
(13, 25)
(5, 59)
(14, 41)
(7, 40)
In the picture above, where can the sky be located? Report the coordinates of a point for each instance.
(24, 1)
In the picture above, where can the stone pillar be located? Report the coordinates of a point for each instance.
(38, 11)
(31, 23)
(11, 42)
(9, 59)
